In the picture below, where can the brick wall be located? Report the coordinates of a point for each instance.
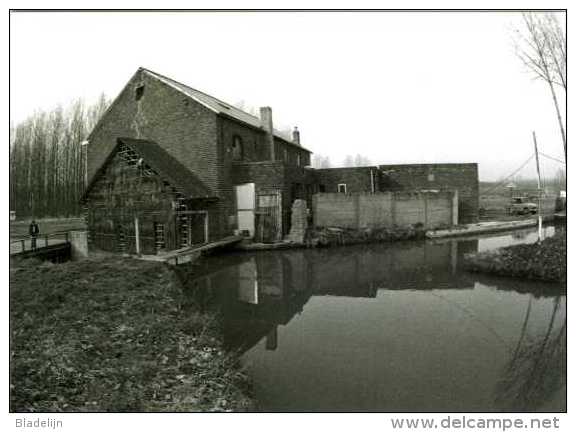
(289, 153)
(196, 136)
(267, 175)
(293, 182)
(357, 179)
(184, 128)
(256, 167)
(381, 210)
(253, 143)
(460, 177)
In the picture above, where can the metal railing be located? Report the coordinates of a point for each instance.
(26, 244)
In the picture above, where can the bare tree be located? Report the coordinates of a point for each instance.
(542, 48)
(361, 161)
(356, 161)
(348, 161)
(246, 107)
(321, 161)
(46, 169)
(560, 179)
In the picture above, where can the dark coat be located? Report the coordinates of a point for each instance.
(34, 230)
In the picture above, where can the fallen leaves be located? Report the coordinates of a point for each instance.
(119, 342)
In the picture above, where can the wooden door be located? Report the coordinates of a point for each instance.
(268, 218)
(192, 228)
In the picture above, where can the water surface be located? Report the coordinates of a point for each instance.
(390, 327)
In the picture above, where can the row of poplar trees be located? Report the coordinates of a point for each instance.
(47, 160)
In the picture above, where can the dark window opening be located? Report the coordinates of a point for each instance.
(297, 191)
(321, 188)
(237, 151)
(309, 191)
(139, 92)
(342, 188)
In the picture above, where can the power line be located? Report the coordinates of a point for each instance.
(511, 175)
(553, 158)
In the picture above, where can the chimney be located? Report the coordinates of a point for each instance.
(266, 122)
(296, 136)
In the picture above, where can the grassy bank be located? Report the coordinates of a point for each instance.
(545, 261)
(114, 335)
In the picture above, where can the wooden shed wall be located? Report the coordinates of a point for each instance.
(123, 192)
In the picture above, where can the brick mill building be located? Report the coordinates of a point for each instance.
(183, 168)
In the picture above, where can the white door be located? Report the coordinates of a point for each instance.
(245, 204)
(248, 282)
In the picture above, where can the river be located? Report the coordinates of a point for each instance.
(396, 327)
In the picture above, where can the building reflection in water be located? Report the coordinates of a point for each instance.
(258, 292)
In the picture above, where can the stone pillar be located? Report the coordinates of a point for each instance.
(455, 202)
(79, 244)
(299, 222)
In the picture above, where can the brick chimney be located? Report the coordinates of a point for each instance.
(266, 122)
(296, 136)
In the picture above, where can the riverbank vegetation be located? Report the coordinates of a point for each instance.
(115, 335)
(544, 261)
(327, 237)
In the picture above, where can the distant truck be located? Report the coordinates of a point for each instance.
(521, 206)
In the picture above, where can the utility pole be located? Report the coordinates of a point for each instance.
(84, 146)
(539, 188)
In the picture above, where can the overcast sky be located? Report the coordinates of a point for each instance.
(394, 87)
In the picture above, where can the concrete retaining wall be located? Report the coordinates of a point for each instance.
(387, 209)
(79, 244)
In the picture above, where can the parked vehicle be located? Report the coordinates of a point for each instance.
(521, 206)
(560, 205)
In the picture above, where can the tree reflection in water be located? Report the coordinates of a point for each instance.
(537, 368)
(260, 297)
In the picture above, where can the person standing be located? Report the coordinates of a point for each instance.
(33, 230)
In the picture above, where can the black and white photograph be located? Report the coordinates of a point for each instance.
(289, 211)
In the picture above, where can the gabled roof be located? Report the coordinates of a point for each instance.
(164, 164)
(217, 106)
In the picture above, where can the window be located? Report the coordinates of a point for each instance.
(298, 161)
(237, 150)
(321, 188)
(139, 92)
(285, 154)
(341, 187)
(431, 177)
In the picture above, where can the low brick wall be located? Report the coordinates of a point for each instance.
(461, 177)
(386, 209)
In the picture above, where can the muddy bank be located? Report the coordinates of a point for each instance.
(326, 237)
(545, 261)
(115, 335)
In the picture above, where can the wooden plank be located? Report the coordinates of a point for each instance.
(181, 255)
